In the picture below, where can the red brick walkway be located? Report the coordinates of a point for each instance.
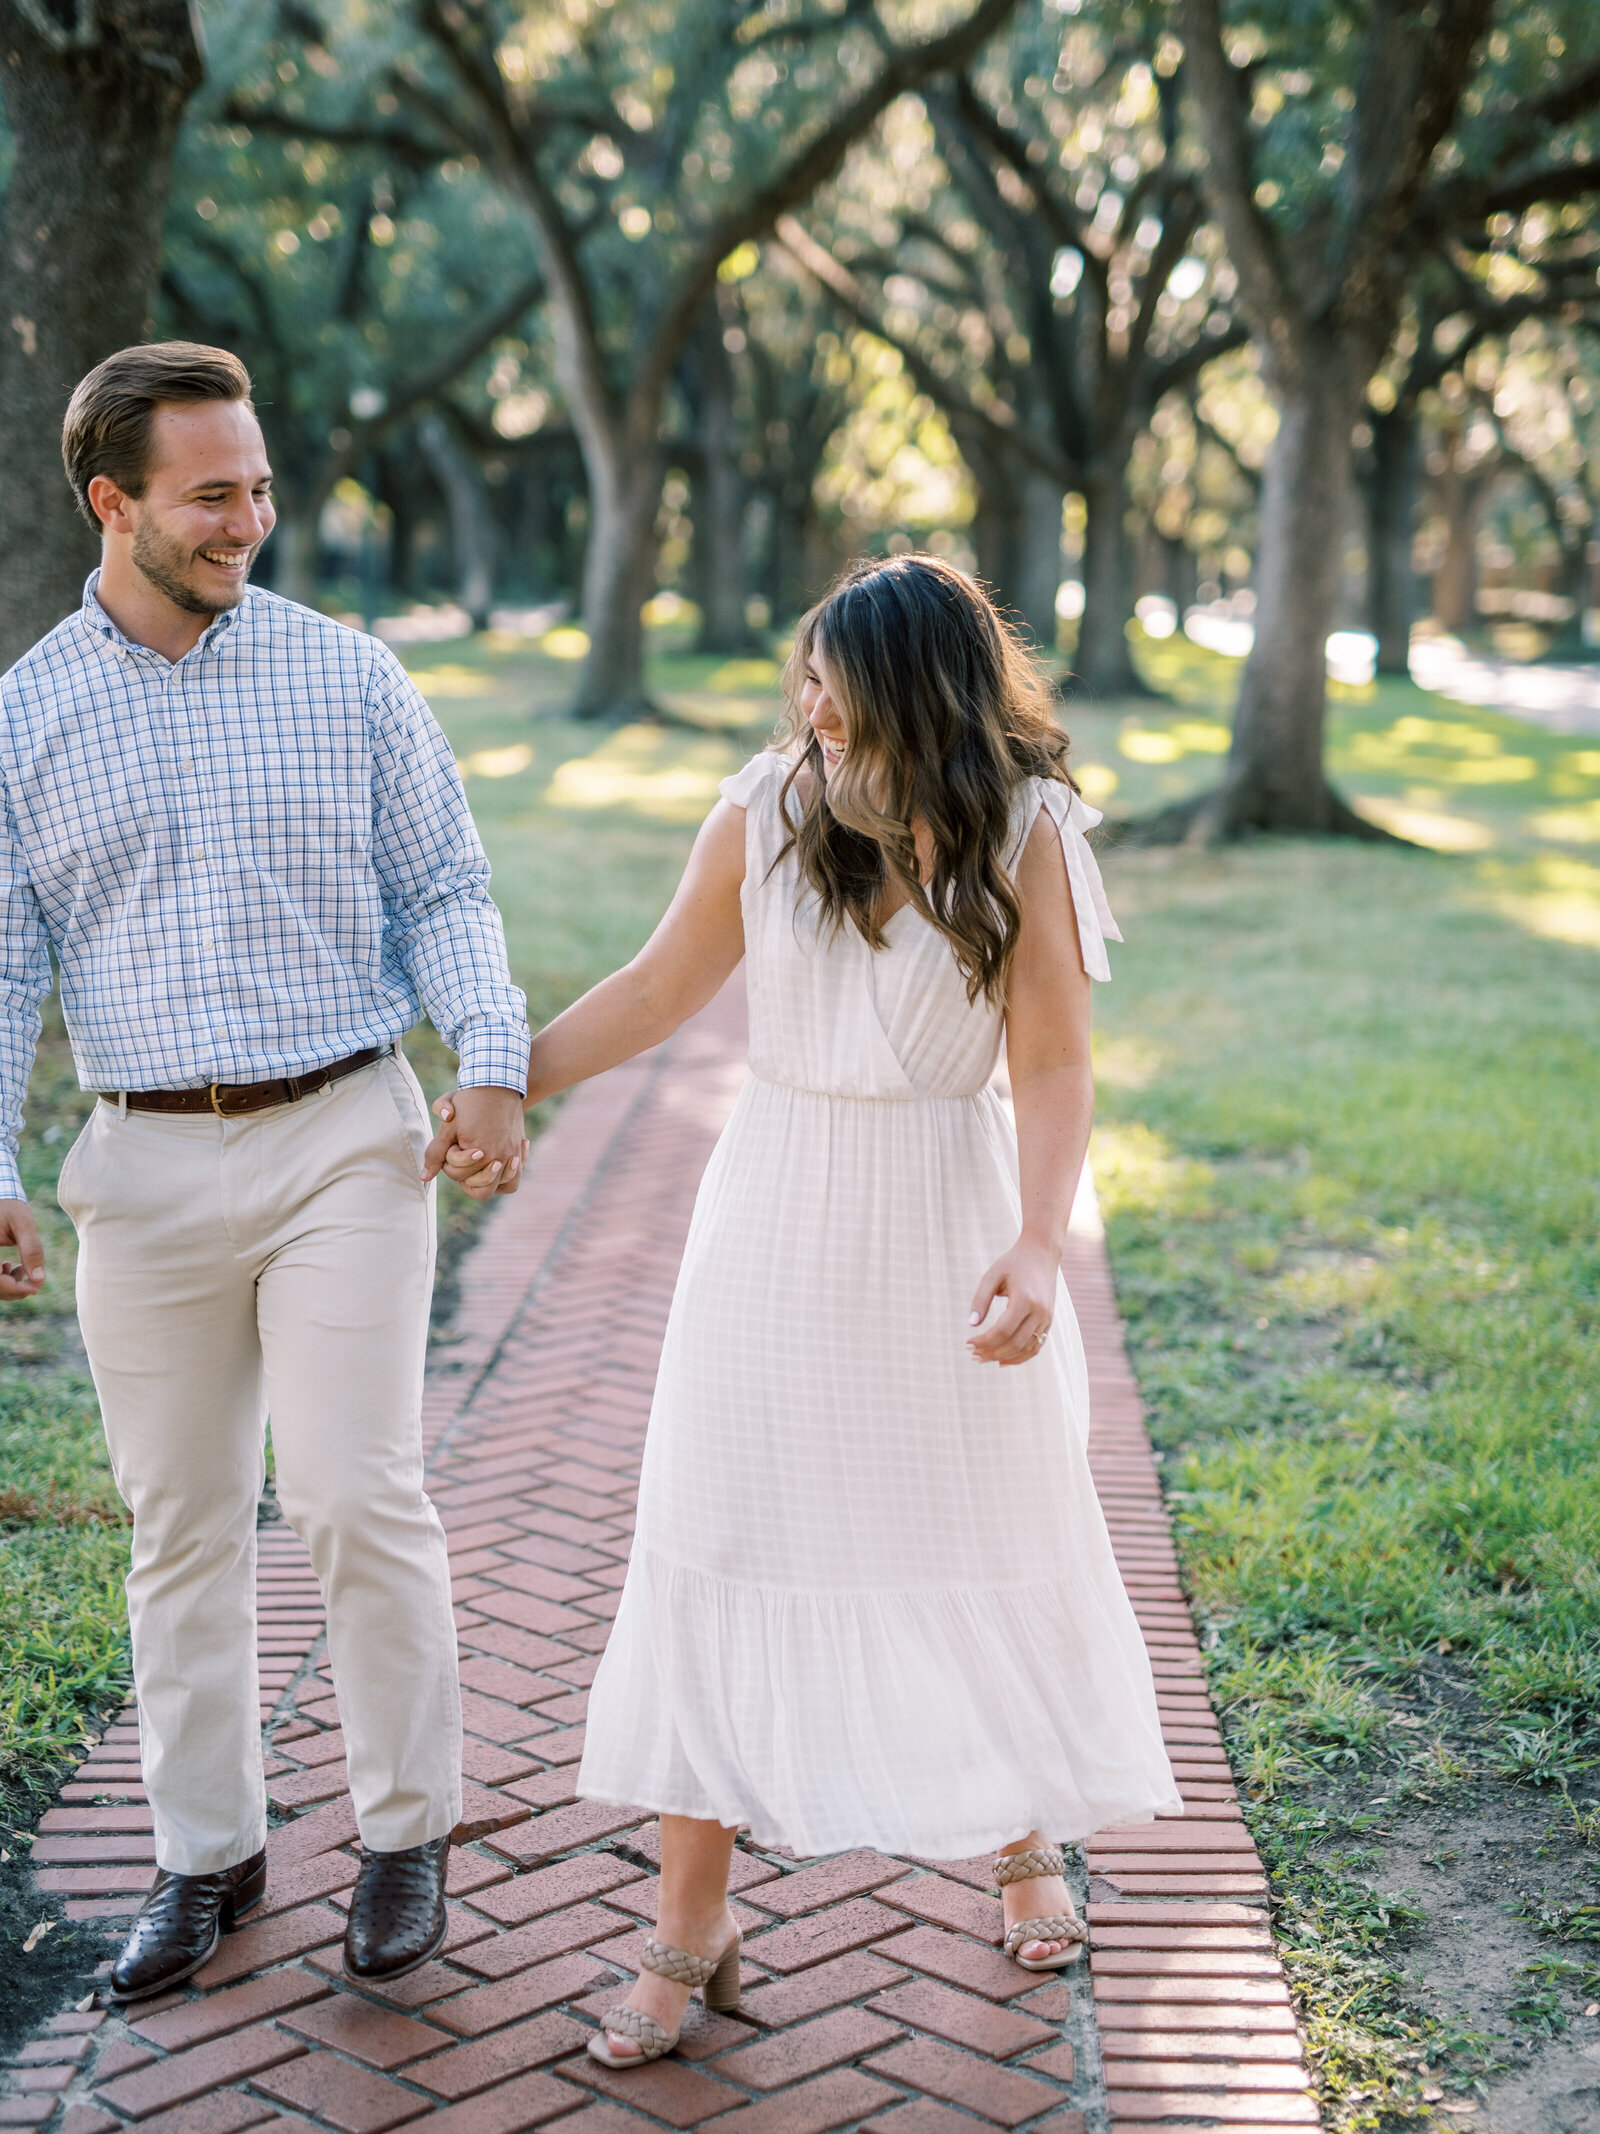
(875, 1995)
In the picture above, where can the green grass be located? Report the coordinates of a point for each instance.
(1349, 1156)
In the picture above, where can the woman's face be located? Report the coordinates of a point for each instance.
(816, 702)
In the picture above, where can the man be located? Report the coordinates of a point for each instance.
(241, 831)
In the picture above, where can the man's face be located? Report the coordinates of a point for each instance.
(207, 505)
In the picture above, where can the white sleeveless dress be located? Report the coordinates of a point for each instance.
(871, 1600)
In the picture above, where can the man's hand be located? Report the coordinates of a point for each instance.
(484, 1138)
(23, 1277)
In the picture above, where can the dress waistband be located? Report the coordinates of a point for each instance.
(856, 1096)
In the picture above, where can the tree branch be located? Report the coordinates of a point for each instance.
(288, 126)
(1063, 222)
(580, 355)
(1266, 288)
(1415, 70)
(81, 37)
(1178, 370)
(906, 67)
(1555, 181)
(1004, 432)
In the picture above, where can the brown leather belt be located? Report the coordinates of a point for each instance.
(234, 1100)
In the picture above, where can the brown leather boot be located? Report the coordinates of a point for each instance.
(180, 1924)
(397, 1916)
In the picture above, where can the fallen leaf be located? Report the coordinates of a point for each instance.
(36, 1935)
(82, 2007)
(1593, 2008)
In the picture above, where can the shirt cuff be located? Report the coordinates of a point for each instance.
(494, 1055)
(11, 1177)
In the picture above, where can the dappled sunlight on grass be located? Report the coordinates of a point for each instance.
(648, 770)
(453, 680)
(1136, 1169)
(1096, 781)
(1425, 826)
(1170, 743)
(721, 695)
(1552, 896)
(1461, 751)
(1569, 826)
(1457, 779)
(1127, 1062)
(496, 762)
(565, 642)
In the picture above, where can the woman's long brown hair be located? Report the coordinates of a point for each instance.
(945, 716)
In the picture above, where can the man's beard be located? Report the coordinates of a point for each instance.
(163, 563)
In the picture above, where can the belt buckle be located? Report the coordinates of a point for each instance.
(216, 1105)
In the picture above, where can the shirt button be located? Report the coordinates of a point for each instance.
(197, 852)
(188, 763)
(208, 942)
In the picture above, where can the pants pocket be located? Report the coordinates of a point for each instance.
(412, 1126)
(68, 1197)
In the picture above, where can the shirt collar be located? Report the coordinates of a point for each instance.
(94, 617)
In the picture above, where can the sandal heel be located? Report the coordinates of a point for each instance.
(722, 1987)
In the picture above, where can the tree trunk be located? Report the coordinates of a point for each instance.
(1181, 572)
(1572, 583)
(1039, 563)
(618, 578)
(297, 544)
(1391, 501)
(471, 533)
(1455, 582)
(1274, 778)
(1103, 665)
(997, 525)
(93, 112)
(721, 567)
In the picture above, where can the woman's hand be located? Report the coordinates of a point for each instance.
(465, 1165)
(1026, 1278)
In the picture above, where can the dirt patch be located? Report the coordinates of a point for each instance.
(1500, 1959)
(59, 1969)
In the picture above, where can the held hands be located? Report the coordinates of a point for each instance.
(23, 1276)
(481, 1144)
(1014, 1305)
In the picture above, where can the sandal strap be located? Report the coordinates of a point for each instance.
(644, 2030)
(1070, 1928)
(677, 1964)
(1038, 1860)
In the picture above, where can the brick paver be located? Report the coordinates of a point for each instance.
(875, 1994)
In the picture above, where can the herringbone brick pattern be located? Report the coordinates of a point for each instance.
(875, 1995)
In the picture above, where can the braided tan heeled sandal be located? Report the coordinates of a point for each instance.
(718, 1974)
(1038, 1861)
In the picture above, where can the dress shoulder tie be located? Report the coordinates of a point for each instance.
(1072, 816)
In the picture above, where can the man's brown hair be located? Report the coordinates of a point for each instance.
(110, 416)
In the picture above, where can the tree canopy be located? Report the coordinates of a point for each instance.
(1111, 300)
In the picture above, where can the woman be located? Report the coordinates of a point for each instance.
(871, 1599)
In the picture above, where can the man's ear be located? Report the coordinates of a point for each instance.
(109, 503)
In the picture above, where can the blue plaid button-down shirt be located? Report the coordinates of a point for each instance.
(249, 864)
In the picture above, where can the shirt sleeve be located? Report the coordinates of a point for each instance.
(434, 875)
(24, 982)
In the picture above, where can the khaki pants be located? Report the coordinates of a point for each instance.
(232, 1270)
